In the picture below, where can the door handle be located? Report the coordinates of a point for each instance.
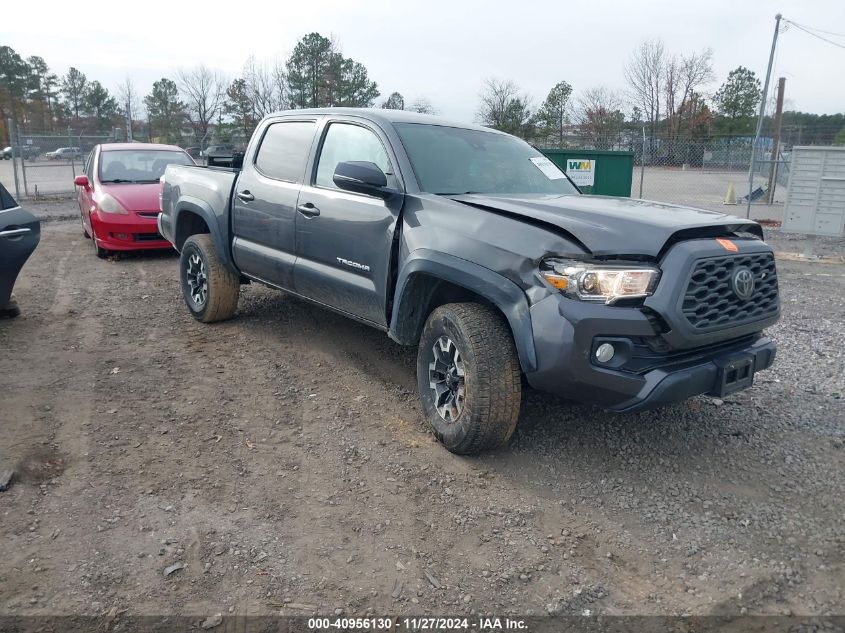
(246, 196)
(14, 232)
(308, 210)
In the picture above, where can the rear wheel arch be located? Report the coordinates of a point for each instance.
(188, 222)
(193, 217)
(431, 279)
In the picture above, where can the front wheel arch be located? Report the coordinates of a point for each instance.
(417, 286)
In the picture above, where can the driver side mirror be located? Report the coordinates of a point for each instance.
(361, 176)
(82, 181)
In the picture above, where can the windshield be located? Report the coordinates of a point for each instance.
(138, 165)
(450, 160)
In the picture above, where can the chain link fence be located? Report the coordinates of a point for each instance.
(45, 164)
(710, 173)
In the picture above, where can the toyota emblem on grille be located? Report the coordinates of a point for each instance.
(743, 283)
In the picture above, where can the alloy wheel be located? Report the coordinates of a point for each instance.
(446, 379)
(197, 280)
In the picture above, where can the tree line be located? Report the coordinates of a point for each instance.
(195, 103)
(667, 94)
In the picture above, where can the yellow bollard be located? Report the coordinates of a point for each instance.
(730, 196)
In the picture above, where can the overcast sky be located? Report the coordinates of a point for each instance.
(439, 49)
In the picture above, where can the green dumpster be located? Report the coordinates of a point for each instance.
(599, 172)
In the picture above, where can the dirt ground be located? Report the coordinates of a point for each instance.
(282, 460)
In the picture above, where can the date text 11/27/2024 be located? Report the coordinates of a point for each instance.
(417, 624)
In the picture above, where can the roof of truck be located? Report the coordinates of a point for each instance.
(380, 115)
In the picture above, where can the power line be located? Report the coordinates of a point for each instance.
(812, 28)
(824, 39)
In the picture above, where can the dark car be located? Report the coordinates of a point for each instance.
(218, 150)
(22, 151)
(19, 235)
(219, 155)
(473, 246)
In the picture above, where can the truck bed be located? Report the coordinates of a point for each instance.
(203, 191)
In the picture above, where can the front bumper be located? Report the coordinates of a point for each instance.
(131, 232)
(566, 332)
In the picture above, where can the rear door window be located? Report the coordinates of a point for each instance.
(284, 150)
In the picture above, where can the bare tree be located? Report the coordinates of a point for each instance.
(495, 97)
(130, 105)
(505, 108)
(645, 73)
(600, 117)
(663, 87)
(423, 106)
(266, 85)
(683, 78)
(204, 91)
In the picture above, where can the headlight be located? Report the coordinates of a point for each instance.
(109, 204)
(599, 282)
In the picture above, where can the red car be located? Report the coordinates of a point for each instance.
(118, 194)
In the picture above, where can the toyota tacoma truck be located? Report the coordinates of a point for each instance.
(473, 246)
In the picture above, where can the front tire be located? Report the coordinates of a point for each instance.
(99, 251)
(469, 377)
(210, 289)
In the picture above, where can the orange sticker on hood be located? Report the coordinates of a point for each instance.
(727, 245)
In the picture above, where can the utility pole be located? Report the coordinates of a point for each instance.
(760, 115)
(128, 117)
(773, 168)
(642, 165)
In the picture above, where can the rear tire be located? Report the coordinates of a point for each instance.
(210, 289)
(469, 377)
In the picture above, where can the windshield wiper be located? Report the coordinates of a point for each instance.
(134, 182)
(465, 193)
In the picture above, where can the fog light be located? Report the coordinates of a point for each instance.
(605, 352)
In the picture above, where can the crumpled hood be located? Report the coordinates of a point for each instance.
(607, 225)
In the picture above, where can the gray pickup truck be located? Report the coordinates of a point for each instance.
(472, 245)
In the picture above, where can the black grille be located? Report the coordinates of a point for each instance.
(653, 352)
(147, 237)
(710, 302)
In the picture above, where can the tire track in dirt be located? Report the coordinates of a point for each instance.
(60, 374)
